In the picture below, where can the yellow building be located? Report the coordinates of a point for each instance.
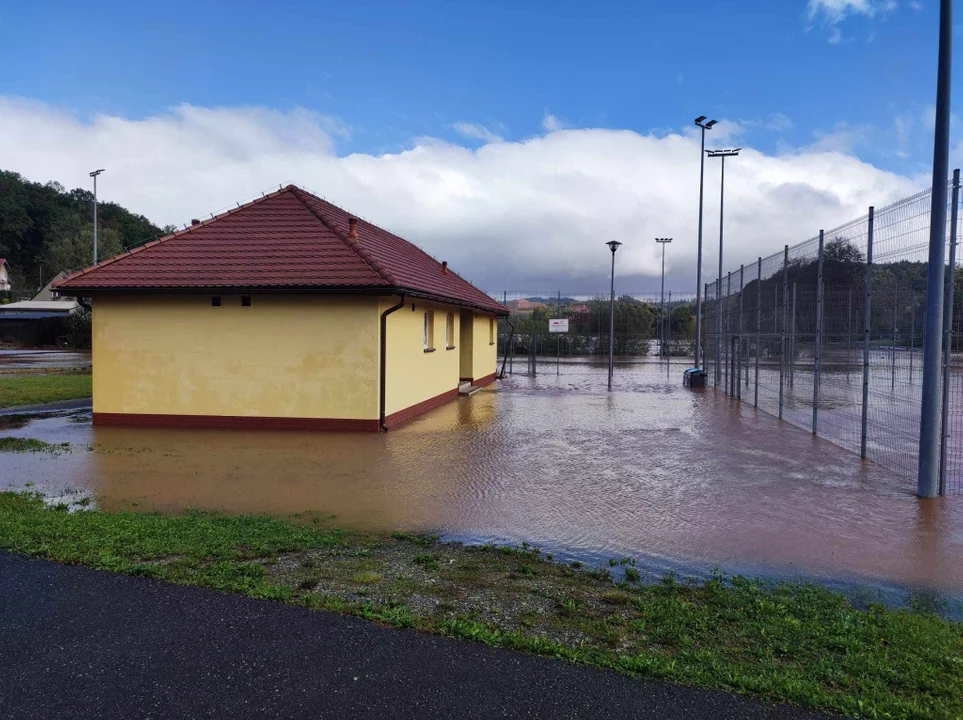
(285, 313)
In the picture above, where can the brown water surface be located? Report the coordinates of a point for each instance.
(683, 479)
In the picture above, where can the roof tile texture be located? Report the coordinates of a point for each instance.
(288, 239)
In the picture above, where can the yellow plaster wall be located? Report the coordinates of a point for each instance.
(485, 353)
(412, 375)
(285, 356)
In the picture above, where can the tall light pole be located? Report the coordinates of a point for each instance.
(663, 242)
(927, 484)
(613, 246)
(701, 122)
(94, 175)
(723, 154)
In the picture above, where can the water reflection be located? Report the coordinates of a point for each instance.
(651, 470)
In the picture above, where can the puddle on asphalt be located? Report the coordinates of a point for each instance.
(685, 481)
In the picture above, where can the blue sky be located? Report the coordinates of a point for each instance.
(506, 137)
(392, 71)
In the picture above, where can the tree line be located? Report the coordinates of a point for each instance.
(46, 229)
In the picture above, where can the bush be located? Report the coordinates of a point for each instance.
(79, 329)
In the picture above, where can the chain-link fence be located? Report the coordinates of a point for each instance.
(646, 324)
(828, 335)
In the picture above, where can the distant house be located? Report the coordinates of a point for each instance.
(35, 323)
(523, 306)
(579, 311)
(285, 313)
(4, 275)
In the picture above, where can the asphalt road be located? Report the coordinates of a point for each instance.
(82, 643)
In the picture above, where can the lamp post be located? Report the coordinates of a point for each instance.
(613, 246)
(723, 154)
(701, 122)
(94, 175)
(663, 242)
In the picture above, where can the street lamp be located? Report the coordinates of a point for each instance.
(94, 175)
(613, 246)
(663, 242)
(723, 154)
(701, 122)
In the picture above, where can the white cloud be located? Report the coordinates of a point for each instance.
(832, 13)
(513, 215)
(843, 138)
(477, 132)
(551, 123)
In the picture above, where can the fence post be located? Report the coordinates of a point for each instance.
(728, 327)
(755, 400)
(849, 334)
(668, 336)
(912, 333)
(782, 339)
(948, 330)
(792, 340)
(867, 325)
(892, 375)
(705, 352)
(738, 378)
(818, 367)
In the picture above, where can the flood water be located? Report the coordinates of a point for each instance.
(680, 479)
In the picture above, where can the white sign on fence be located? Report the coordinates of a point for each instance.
(559, 325)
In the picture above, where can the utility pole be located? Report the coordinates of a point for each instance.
(723, 154)
(94, 175)
(613, 246)
(927, 485)
(663, 242)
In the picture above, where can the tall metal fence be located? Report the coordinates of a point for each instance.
(827, 335)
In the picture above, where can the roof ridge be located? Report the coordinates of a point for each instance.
(166, 238)
(366, 256)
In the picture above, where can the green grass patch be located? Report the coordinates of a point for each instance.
(15, 444)
(794, 643)
(18, 390)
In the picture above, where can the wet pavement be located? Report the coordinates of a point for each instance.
(31, 360)
(680, 480)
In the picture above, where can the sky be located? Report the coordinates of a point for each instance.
(511, 139)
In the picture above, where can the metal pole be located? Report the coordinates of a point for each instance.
(817, 369)
(558, 338)
(849, 333)
(948, 330)
(913, 333)
(728, 326)
(892, 374)
(612, 321)
(738, 378)
(668, 335)
(755, 400)
(722, 197)
(867, 325)
(704, 350)
(698, 328)
(782, 340)
(792, 340)
(662, 306)
(928, 478)
(95, 219)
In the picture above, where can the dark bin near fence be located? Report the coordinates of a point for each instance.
(694, 378)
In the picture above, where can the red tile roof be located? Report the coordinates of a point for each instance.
(289, 239)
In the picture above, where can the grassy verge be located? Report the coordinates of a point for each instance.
(16, 444)
(35, 389)
(800, 644)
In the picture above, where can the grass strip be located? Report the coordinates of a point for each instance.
(794, 643)
(16, 390)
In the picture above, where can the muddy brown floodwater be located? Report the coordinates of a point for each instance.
(679, 479)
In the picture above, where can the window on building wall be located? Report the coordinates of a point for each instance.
(450, 331)
(491, 331)
(429, 331)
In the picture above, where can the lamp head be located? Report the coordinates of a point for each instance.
(95, 173)
(613, 245)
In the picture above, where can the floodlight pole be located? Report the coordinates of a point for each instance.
(722, 154)
(613, 246)
(701, 122)
(94, 175)
(927, 485)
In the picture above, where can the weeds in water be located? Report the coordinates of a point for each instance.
(16, 444)
(632, 575)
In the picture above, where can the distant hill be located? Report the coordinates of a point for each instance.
(48, 229)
